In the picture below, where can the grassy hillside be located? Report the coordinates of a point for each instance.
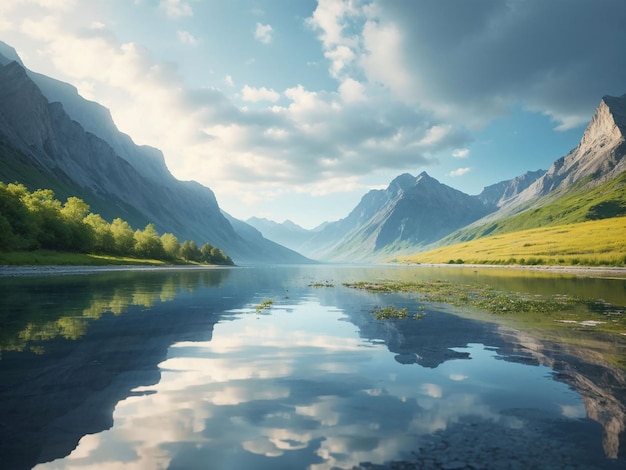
(591, 243)
(576, 204)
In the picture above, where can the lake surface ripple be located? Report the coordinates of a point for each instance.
(287, 368)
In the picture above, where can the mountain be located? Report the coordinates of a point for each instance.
(288, 234)
(412, 212)
(84, 154)
(586, 184)
(598, 157)
(499, 194)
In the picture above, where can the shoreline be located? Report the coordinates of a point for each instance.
(52, 270)
(62, 270)
(583, 271)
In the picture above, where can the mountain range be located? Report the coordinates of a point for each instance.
(51, 137)
(418, 213)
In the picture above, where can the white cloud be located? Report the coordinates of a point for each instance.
(187, 38)
(435, 134)
(176, 9)
(352, 91)
(252, 94)
(459, 172)
(471, 67)
(229, 81)
(263, 33)
(461, 153)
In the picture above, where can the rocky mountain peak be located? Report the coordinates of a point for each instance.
(608, 124)
(402, 183)
(617, 107)
(8, 54)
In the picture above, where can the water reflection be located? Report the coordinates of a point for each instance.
(185, 373)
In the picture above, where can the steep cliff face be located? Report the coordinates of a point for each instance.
(135, 182)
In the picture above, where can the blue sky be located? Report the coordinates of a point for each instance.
(295, 109)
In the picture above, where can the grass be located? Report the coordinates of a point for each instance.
(575, 204)
(49, 258)
(591, 243)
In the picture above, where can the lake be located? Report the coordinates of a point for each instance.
(288, 368)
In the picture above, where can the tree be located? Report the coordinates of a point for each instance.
(103, 240)
(51, 230)
(206, 252)
(123, 236)
(148, 244)
(170, 245)
(189, 251)
(17, 226)
(80, 234)
(219, 257)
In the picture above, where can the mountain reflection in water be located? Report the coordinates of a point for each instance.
(181, 370)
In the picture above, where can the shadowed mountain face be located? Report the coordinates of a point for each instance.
(106, 169)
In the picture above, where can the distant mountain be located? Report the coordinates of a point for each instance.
(410, 213)
(287, 233)
(85, 155)
(500, 194)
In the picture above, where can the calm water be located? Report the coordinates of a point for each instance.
(180, 369)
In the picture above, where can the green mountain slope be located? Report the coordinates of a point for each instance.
(578, 203)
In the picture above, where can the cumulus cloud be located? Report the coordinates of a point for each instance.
(461, 153)
(263, 33)
(176, 9)
(252, 94)
(187, 38)
(459, 172)
(472, 66)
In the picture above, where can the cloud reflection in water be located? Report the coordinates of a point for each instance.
(299, 389)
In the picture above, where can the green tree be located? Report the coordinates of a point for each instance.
(123, 236)
(17, 226)
(219, 257)
(103, 240)
(206, 253)
(80, 234)
(148, 244)
(51, 230)
(189, 251)
(170, 245)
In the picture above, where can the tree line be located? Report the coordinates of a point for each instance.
(37, 220)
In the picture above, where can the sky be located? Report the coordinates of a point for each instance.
(294, 109)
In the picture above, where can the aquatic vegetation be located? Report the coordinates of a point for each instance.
(264, 305)
(319, 284)
(484, 297)
(391, 312)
